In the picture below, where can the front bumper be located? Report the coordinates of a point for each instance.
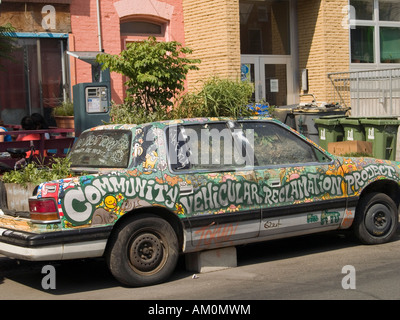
(58, 245)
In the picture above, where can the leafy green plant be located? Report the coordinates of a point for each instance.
(128, 113)
(156, 72)
(59, 168)
(64, 109)
(217, 98)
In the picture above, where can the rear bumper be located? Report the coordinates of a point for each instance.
(60, 245)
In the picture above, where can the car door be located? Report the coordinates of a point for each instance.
(302, 188)
(217, 190)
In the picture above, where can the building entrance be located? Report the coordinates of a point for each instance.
(267, 58)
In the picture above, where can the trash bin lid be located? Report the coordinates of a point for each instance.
(327, 122)
(380, 122)
(320, 110)
(350, 121)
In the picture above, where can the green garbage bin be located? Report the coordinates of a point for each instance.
(353, 129)
(383, 135)
(304, 118)
(329, 130)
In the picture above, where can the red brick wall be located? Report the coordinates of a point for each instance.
(84, 36)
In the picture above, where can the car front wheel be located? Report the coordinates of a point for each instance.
(143, 251)
(376, 219)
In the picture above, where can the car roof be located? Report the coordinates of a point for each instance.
(166, 123)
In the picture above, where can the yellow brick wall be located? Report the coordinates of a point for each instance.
(212, 31)
(323, 43)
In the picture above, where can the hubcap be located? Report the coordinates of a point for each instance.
(378, 222)
(146, 252)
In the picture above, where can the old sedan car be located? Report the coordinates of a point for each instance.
(150, 192)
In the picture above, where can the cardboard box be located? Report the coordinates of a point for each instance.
(346, 147)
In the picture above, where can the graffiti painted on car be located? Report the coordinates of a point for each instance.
(94, 200)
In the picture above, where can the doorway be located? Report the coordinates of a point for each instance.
(270, 77)
(269, 50)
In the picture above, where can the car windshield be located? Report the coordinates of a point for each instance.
(102, 149)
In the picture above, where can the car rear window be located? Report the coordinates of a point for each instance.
(102, 149)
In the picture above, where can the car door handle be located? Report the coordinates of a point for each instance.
(275, 183)
(185, 190)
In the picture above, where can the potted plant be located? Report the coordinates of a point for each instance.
(64, 115)
(19, 184)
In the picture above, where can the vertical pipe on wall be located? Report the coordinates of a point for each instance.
(99, 25)
(40, 79)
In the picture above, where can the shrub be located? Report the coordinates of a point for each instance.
(59, 168)
(219, 98)
(156, 72)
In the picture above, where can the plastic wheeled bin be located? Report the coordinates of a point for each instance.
(353, 129)
(383, 135)
(330, 130)
(305, 119)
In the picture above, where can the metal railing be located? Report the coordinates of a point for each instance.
(368, 93)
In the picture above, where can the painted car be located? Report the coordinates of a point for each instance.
(148, 193)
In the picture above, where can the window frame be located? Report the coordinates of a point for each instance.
(313, 148)
(377, 24)
(121, 132)
(255, 166)
(190, 169)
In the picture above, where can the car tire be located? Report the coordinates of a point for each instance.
(142, 251)
(376, 219)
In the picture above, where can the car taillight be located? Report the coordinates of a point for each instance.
(43, 210)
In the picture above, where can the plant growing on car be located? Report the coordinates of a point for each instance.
(59, 168)
(156, 72)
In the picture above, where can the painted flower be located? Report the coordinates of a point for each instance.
(227, 177)
(213, 175)
(179, 209)
(220, 211)
(233, 208)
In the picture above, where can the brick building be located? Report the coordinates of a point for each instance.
(285, 47)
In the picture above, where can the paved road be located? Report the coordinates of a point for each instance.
(308, 267)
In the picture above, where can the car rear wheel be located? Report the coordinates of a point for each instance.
(143, 251)
(376, 219)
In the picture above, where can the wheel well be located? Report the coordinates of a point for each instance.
(388, 187)
(161, 212)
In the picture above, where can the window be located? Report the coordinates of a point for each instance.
(265, 27)
(375, 38)
(140, 28)
(389, 10)
(276, 146)
(102, 149)
(390, 44)
(364, 9)
(362, 44)
(35, 80)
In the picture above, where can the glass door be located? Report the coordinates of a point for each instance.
(269, 76)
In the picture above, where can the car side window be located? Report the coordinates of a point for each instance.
(275, 145)
(207, 146)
